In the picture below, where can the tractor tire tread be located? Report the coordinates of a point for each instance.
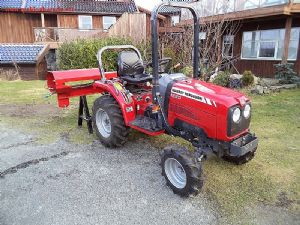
(120, 131)
(192, 167)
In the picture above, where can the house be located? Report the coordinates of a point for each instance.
(267, 32)
(32, 28)
(49, 23)
(52, 20)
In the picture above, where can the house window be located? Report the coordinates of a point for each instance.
(228, 42)
(269, 44)
(175, 20)
(202, 45)
(108, 21)
(202, 36)
(85, 22)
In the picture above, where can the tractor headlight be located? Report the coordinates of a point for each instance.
(236, 115)
(247, 111)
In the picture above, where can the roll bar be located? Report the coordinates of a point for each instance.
(154, 34)
(102, 50)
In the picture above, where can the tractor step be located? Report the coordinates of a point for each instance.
(147, 125)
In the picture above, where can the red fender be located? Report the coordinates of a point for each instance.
(124, 100)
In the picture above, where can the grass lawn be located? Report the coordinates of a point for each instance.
(272, 178)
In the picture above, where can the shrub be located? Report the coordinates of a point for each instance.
(285, 73)
(82, 53)
(222, 79)
(247, 78)
(188, 71)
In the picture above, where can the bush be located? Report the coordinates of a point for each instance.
(247, 78)
(222, 79)
(188, 71)
(285, 73)
(82, 53)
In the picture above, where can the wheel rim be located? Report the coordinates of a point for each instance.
(175, 173)
(103, 123)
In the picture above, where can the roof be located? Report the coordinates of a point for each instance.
(143, 10)
(58, 6)
(166, 10)
(20, 53)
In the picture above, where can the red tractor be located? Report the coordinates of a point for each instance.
(214, 119)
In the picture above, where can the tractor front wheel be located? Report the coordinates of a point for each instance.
(182, 171)
(109, 123)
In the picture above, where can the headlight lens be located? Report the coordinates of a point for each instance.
(247, 111)
(236, 115)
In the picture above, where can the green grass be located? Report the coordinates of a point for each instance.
(274, 172)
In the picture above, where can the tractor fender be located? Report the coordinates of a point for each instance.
(119, 93)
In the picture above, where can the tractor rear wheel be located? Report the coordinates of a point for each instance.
(109, 123)
(181, 170)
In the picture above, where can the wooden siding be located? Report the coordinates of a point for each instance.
(67, 21)
(130, 25)
(50, 20)
(262, 68)
(18, 27)
(26, 72)
(97, 22)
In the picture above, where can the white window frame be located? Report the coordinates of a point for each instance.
(259, 43)
(103, 23)
(80, 22)
(223, 46)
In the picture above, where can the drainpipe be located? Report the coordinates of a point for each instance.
(43, 20)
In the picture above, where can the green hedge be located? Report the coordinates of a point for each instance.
(82, 53)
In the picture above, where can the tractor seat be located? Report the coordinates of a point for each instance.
(131, 68)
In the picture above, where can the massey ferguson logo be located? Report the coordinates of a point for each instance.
(193, 96)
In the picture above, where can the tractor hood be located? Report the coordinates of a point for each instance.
(209, 93)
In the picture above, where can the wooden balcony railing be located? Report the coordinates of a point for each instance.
(56, 34)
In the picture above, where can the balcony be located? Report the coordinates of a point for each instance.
(56, 35)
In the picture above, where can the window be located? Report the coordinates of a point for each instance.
(202, 45)
(228, 41)
(269, 44)
(85, 22)
(108, 21)
(294, 42)
(175, 20)
(202, 35)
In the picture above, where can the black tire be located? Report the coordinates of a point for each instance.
(240, 160)
(192, 169)
(119, 132)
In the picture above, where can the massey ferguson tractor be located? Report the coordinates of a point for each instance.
(214, 119)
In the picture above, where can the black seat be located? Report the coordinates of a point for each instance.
(131, 68)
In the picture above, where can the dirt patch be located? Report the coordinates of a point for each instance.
(283, 200)
(29, 110)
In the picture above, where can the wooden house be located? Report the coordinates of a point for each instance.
(267, 32)
(52, 22)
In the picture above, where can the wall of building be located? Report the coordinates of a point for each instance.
(18, 27)
(71, 21)
(263, 68)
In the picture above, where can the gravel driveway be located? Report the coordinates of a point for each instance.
(64, 183)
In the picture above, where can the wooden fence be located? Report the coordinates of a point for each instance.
(132, 25)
